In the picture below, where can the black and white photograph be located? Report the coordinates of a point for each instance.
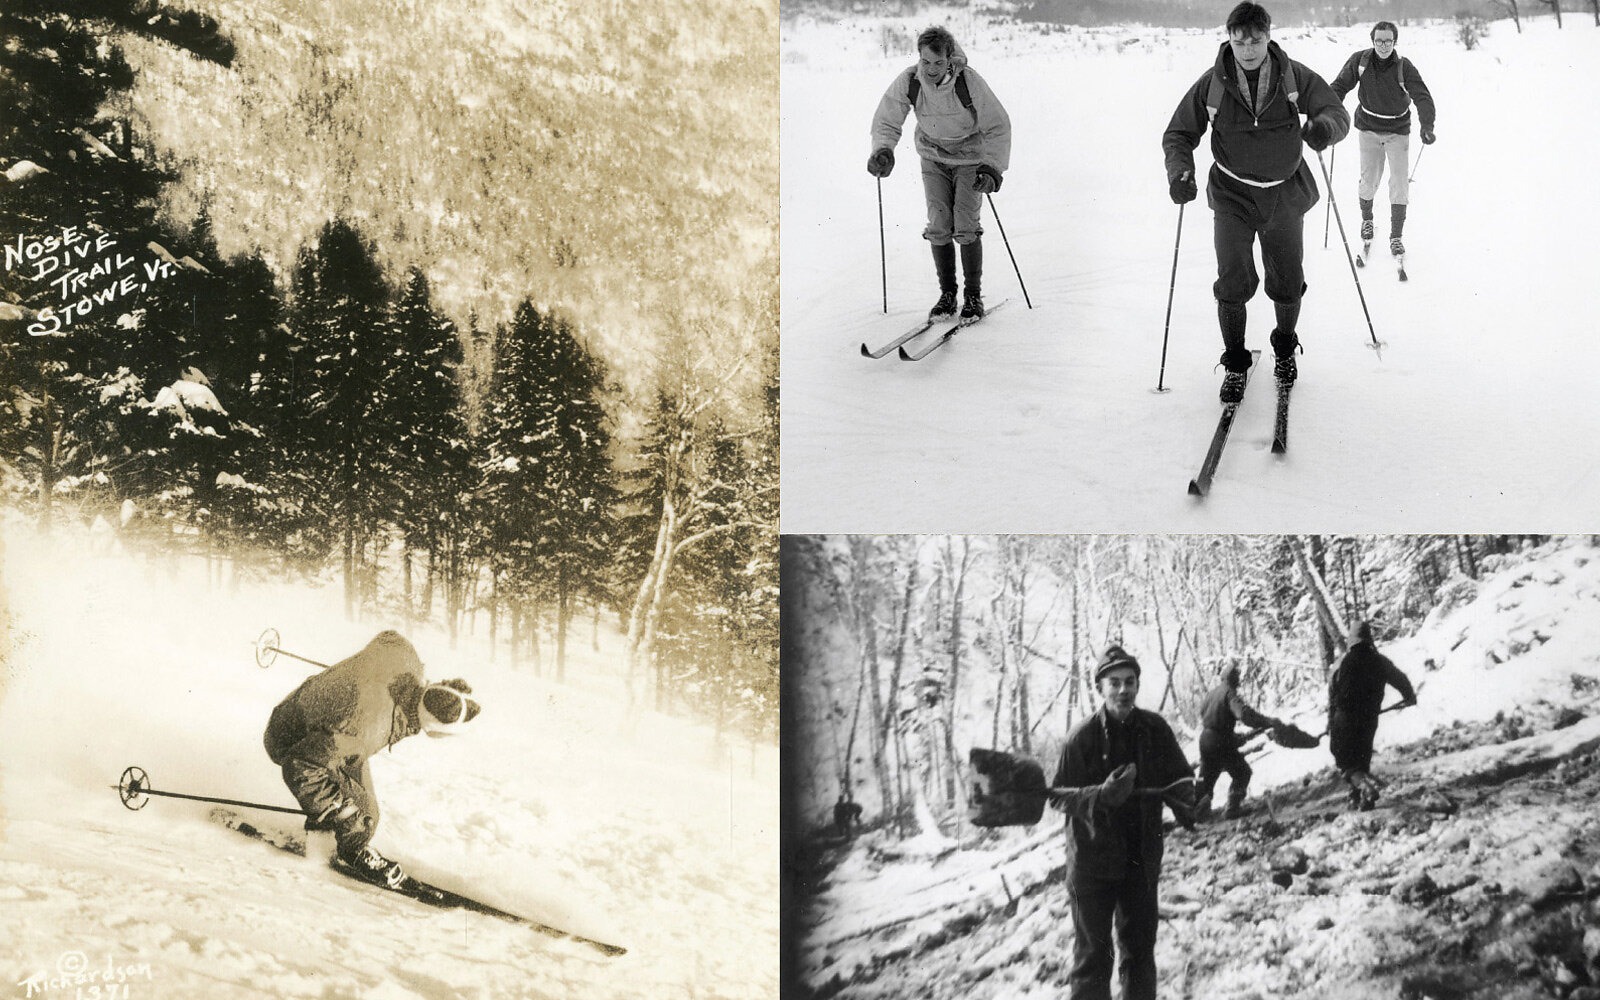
(1052, 266)
(1232, 767)
(388, 499)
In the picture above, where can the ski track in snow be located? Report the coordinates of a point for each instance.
(116, 660)
(1044, 420)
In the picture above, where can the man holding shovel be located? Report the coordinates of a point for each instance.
(1118, 768)
(1355, 700)
(1219, 745)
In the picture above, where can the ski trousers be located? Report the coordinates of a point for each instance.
(1282, 256)
(954, 205)
(1377, 148)
(1219, 754)
(321, 781)
(1128, 904)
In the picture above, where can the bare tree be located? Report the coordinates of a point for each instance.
(1510, 9)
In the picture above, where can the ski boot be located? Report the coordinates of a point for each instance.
(944, 308)
(1397, 248)
(1366, 230)
(370, 866)
(972, 307)
(1233, 387)
(1283, 366)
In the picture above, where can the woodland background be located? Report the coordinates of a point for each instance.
(472, 311)
(902, 653)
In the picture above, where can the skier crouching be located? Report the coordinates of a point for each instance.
(323, 733)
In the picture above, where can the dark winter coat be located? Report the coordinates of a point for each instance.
(1264, 147)
(1223, 708)
(1356, 689)
(1385, 93)
(1098, 839)
(347, 713)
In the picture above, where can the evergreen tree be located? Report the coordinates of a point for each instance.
(343, 447)
(432, 453)
(60, 385)
(548, 480)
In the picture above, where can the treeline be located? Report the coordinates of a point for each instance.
(902, 652)
(333, 418)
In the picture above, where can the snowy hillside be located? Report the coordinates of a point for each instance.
(1043, 420)
(110, 660)
(1477, 877)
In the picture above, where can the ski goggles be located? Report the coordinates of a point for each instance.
(446, 710)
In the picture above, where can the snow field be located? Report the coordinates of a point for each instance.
(1044, 420)
(546, 807)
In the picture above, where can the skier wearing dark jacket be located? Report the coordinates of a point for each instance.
(1259, 185)
(1219, 745)
(1386, 85)
(1355, 700)
(323, 733)
(1115, 840)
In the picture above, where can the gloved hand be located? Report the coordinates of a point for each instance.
(1427, 137)
(1317, 133)
(1114, 791)
(988, 179)
(1410, 702)
(1182, 188)
(881, 162)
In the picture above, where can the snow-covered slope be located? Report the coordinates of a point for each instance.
(1043, 420)
(1476, 878)
(112, 660)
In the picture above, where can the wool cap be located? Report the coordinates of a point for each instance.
(1113, 657)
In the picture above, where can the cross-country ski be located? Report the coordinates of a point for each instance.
(945, 337)
(1048, 416)
(1200, 485)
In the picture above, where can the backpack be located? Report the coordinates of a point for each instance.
(963, 94)
(1361, 71)
(1214, 92)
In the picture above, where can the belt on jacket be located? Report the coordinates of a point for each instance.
(1246, 180)
(1404, 114)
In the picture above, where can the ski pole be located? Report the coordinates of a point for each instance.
(1333, 157)
(267, 651)
(1414, 166)
(1171, 287)
(1013, 257)
(135, 785)
(1376, 345)
(883, 249)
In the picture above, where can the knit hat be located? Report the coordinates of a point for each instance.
(446, 707)
(1113, 657)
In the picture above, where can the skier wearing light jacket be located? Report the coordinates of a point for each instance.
(1260, 184)
(323, 733)
(963, 136)
(1386, 85)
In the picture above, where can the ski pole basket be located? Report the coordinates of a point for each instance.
(1007, 789)
(134, 788)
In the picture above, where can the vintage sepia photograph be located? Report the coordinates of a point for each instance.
(1149, 265)
(1231, 767)
(388, 499)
